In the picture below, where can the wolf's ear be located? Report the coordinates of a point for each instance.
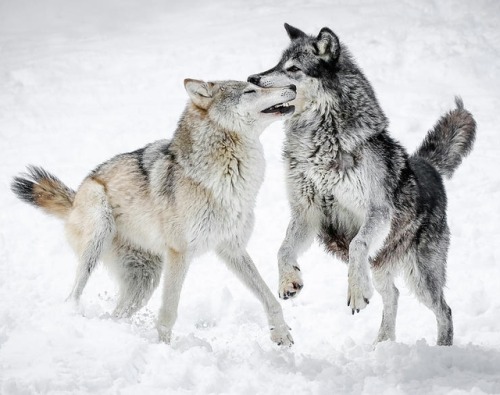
(327, 44)
(200, 92)
(293, 32)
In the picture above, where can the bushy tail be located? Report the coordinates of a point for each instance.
(42, 189)
(450, 140)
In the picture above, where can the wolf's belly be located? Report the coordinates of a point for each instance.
(199, 228)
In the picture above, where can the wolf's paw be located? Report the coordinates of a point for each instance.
(281, 336)
(164, 334)
(359, 292)
(290, 283)
(121, 312)
(385, 335)
(74, 303)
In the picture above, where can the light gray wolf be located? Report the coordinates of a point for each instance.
(352, 185)
(173, 200)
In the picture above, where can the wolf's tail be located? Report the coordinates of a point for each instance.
(42, 189)
(450, 140)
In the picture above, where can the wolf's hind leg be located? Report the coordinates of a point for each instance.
(444, 322)
(90, 228)
(427, 280)
(435, 301)
(138, 275)
(383, 280)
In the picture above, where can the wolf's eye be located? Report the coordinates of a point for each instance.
(250, 91)
(293, 69)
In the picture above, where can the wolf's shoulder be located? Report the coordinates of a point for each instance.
(384, 146)
(159, 149)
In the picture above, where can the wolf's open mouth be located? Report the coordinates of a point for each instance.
(282, 108)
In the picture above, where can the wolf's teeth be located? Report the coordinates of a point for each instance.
(276, 107)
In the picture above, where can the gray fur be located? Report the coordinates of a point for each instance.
(139, 274)
(352, 185)
(450, 140)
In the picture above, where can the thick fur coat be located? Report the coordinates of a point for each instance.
(166, 203)
(351, 184)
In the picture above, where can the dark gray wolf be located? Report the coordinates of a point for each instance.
(170, 201)
(356, 188)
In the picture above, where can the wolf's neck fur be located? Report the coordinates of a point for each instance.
(227, 162)
(344, 112)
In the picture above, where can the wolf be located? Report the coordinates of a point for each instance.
(349, 183)
(172, 200)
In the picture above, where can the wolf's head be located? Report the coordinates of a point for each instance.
(314, 64)
(240, 106)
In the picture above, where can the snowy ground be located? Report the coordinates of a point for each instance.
(82, 81)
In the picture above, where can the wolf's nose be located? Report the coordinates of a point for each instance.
(293, 88)
(254, 79)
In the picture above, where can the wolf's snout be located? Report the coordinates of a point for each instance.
(254, 79)
(293, 88)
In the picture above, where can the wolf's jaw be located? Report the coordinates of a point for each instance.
(282, 108)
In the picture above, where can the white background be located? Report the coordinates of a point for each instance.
(83, 81)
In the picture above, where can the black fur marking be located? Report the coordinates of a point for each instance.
(293, 32)
(139, 154)
(23, 189)
(432, 195)
(165, 150)
(168, 185)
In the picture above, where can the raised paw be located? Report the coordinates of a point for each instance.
(290, 284)
(281, 336)
(359, 292)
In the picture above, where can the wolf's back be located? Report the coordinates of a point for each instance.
(41, 189)
(450, 140)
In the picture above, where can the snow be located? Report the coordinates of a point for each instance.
(83, 81)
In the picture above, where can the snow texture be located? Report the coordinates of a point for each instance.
(81, 81)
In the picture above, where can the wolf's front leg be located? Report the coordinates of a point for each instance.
(299, 236)
(174, 273)
(369, 239)
(242, 265)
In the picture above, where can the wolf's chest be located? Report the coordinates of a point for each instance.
(229, 195)
(327, 174)
(346, 186)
